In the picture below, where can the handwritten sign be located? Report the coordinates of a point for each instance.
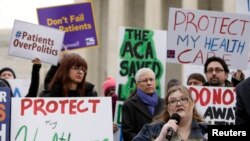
(140, 48)
(195, 35)
(35, 41)
(68, 119)
(216, 104)
(76, 20)
(5, 101)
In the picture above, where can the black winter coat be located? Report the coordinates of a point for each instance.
(57, 91)
(135, 114)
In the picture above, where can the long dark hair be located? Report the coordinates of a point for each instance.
(61, 77)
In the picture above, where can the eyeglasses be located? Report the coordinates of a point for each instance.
(146, 80)
(79, 68)
(183, 100)
(217, 70)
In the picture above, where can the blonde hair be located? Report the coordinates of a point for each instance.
(165, 116)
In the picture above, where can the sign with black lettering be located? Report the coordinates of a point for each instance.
(31, 41)
(140, 48)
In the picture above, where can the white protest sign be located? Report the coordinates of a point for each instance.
(36, 41)
(19, 87)
(195, 35)
(215, 104)
(68, 119)
(243, 6)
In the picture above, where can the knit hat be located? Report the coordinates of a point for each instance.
(7, 69)
(109, 82)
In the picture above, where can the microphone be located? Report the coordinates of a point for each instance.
(170, 132)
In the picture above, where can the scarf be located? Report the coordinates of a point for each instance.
(150, 101)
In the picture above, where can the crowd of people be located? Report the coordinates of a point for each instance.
(145, 115)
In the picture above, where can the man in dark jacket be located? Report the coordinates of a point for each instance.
(140, 108)
(242, 111)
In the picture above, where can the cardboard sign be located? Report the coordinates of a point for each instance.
(35, 41)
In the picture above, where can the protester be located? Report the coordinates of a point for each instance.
(242, 111)
(70, 79)
(189, 127)
(196, 79)
(237, 77)
(173, 82)
(140, 108)
(216, 71)
(7, 73)
(108, 89)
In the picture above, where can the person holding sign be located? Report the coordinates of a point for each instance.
(8, 73)
(142, 105)
(216, 71)
(179, 121)
(69, 79)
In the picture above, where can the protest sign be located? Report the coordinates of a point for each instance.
(243, 6)
(76, 20)
(69, 119)
(19, 87)
(139, 48)
(215, 104)
(195, 35)
(5, 101)
(35, 41)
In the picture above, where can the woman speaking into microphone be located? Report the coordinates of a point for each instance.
(178, 122)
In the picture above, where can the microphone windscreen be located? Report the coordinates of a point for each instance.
(176, 117)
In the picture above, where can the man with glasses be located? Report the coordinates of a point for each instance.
(142, 105)
(216, 71)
